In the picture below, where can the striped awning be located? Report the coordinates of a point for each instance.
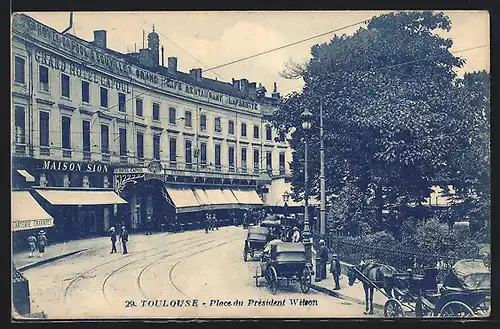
(27, 214)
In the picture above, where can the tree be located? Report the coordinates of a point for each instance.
(387, 92)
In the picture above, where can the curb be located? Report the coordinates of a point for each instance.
(48, 260)
(343, 297)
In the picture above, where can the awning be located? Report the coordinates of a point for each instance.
(247, 197)
(80, 197)
(26, 175)
(184, 199)
(229, 196)
(217, 199)
(27, 214)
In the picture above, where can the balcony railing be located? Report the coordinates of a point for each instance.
(140, 161)
(123, 159)
(20, 149)
(86, 155)
(106, 157)
(66, 153)
(44, 150)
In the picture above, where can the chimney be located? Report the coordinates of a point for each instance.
(154, 46)
(275, 94)
(162, 56)
(100, 38)
(145, 57)
(193, 73)
(236, 84)
(198, 74)
(244, 86)
(172, 65)
(252, 90)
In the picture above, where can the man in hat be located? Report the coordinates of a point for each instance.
(296, 234)
(124, 239)
(335, 270)
(323, 257)
(32, 244)
(207, 222)
(42, 242)
(112, 233)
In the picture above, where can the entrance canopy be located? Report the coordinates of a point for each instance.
(187, 199)
(80, 197)
(27, 214)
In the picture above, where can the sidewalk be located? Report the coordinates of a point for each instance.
(354, 293)
(56, 251)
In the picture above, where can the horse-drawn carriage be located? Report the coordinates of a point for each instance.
(285, 261)
(256, 240)
(465, 292)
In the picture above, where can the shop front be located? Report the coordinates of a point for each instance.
(78, 195)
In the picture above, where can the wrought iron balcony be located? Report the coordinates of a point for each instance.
(66, 153)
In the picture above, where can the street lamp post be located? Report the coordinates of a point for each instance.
(306, 117)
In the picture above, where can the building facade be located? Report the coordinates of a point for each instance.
(167, 144)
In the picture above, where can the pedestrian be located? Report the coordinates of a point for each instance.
(207, 222)
(112, 233)
(296, 234)
(335, 269)
(245, 220)
(124, 239)
(42, 242)
(216, 222)
(323, 255)
(32, 244)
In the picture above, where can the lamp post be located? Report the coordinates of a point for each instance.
(286, 196)
(306, 117)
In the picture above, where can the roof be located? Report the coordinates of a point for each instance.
(270, 223)
(290, 247)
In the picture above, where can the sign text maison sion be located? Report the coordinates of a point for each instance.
(119, 66)
(73, 166)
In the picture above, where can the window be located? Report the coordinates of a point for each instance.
(105, 139)
(43, 77)
(188, 119)
(217, 157)
(243, 130)
(203, 153)
(140, 145)
(104, 97)
(230, 127)
(281, 137)
(269, 162)
(173, 150)
(255, 131)
(66, 133)
(244, 158)
(156, 111)
(44, 129)
(256, 160)
(269, 134)
(282, 163)
(85, 92)
(231, 157)
(138, 107)
(65, 85)
(203, 122)
(19, 70)
(122, 102)
(217, 125)
(189, 154)
(86, 135)
(123, 141)
(20, 124)
(156, 147)
(172, 115)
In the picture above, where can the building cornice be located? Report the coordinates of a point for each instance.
(21, 95)
(173, 131)
(143, 125)
(67, 107)
(218, 138)
(157, 128)
(188, 133)
(45, 101)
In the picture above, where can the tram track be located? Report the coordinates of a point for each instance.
(82, 275)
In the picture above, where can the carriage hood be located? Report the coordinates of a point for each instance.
(470, 274)
(258, 233)
(270, 223)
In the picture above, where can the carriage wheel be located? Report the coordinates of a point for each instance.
(252, 254)
(393, 309)
(245, 256)
(305, 282)
(257, 276)
(272, 280)
(456, 309)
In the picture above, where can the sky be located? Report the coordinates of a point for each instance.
(208, 39)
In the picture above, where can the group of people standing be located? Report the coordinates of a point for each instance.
(211, 222)
(41, 241)
(335, 268)
(123, 237)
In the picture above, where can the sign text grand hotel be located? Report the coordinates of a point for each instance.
(90, 54)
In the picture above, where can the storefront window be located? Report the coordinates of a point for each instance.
(75, 179)
(96, 180)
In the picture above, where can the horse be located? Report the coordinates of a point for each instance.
(379, 274)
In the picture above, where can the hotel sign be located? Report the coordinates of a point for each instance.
(88, 53)
(72, 166)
